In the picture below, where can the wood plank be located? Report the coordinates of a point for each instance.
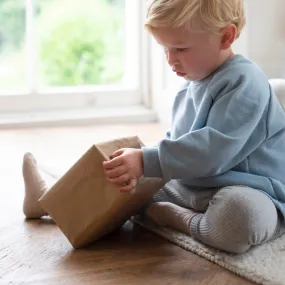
(36, 252)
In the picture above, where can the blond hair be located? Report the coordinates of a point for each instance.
(209, 15)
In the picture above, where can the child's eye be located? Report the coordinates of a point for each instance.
(182, 49)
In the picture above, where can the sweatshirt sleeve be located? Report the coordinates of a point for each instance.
(226, 140)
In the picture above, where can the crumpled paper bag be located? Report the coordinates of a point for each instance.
(85, 206)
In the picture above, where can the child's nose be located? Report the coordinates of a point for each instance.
(171, 58)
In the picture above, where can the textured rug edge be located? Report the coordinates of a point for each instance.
(163, 232)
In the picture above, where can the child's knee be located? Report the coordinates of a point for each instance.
(252, 211)
(237, 218)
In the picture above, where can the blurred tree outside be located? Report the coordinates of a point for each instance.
(79, 42)
(83, 44)
(12, 24)
(12, 42)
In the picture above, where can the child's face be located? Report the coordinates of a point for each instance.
(191, 55)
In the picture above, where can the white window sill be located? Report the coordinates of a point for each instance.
(123, 114)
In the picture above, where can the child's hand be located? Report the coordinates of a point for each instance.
(125, 168)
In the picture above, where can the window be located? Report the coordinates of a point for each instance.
(64, 54)
(13, 57)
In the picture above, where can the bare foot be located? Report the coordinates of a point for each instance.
(171, 215)
(35, 187)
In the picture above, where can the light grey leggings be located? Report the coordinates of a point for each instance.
(231, 219)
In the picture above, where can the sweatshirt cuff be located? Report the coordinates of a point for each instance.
(151, 162)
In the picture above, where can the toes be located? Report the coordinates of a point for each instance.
(28, 157)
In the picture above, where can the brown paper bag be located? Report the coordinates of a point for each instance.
(85, 205)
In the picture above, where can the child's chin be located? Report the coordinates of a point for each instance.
(193, 77)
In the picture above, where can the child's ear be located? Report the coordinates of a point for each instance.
(229, 35)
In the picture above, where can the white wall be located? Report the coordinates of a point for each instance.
(263, 41)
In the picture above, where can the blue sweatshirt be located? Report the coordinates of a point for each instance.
(227, 129)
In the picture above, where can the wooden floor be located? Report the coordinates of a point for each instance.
(36, 252)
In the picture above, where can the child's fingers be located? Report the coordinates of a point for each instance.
(112, 163)
(129, 185)
(117, 153)
(115, 172)
(120, 180)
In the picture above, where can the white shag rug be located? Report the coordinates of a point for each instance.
(263, 264)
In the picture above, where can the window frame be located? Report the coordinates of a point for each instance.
(134, 90)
